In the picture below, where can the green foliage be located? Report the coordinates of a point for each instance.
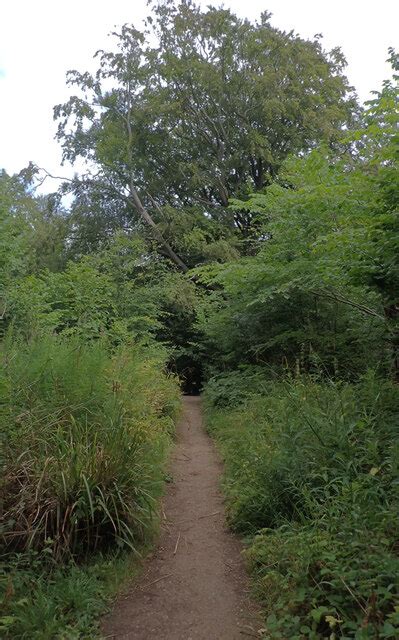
(85, 438)
(79, 300)
(204, 134)
(32, 235)
(198, 107)
(13, 245)
(119, 293)
(33, 229)
(85, 423)
(316, 583)
(236, 387)
(322, 289)
(58, 603)
(309, 438)
(311, 468)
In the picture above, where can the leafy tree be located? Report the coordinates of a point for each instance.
(13, 228)
(32, 235)
(122, 293)
(193, 110)
(78, 300)
(380, 145)
(323, 287)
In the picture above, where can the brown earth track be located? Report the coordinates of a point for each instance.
(195, 586)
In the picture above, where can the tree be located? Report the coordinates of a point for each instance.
(32, 235)
(194, 109)
(323, 285)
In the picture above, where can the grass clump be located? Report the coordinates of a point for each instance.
(43, 600)
(85, 433)
(311, 477)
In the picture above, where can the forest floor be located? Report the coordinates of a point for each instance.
(194, 587)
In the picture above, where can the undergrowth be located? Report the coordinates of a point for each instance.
(46, 601)
(86, 432)
(311, 478)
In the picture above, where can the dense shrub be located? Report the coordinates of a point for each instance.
(328, 582)
(321, 288)
(86, 434)
(312, 471)
(236, 387)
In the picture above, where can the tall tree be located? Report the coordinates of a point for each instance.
(197, 108)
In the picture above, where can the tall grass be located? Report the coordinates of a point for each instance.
(85, 439)
(311, 476)
(85, 431)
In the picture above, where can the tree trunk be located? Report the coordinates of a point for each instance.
(146, 217)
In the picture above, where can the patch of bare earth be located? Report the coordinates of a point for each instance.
(195, 586)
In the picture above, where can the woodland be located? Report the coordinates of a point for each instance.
(234, 232)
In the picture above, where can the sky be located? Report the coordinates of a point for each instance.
(40, 40)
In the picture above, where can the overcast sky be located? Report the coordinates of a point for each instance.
(41, 39)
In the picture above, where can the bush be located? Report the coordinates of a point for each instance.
(86, 435)
(236, 387)
(319, 582)
(311, 470)
(44, 601)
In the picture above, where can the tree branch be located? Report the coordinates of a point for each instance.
(339, 298)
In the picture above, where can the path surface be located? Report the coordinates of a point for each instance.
(194, 587)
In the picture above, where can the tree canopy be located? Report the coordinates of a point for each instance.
(199, 107)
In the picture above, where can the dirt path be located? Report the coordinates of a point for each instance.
(194, 587)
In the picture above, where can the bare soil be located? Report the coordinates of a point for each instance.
(195, 586)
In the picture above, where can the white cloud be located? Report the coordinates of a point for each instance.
(41, 40)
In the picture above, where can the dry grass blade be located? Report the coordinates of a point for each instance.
(177, 544)
(145, 586)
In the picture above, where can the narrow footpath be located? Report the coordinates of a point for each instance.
(194, 587)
